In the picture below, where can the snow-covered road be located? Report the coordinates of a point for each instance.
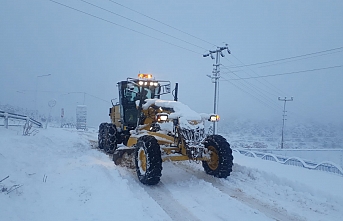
(60, 176)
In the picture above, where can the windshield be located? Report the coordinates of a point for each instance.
(132, 93)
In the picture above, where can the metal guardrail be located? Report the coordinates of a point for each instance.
(7, 116)
(325, 166)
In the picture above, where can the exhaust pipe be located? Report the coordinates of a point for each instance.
(175, 91)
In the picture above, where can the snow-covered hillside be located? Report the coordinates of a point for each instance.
(58, 175)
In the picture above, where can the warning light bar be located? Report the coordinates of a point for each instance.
(145, 76)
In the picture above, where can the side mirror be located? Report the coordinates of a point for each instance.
(113, 100)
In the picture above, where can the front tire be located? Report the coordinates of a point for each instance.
(221, 162)
(148, 160)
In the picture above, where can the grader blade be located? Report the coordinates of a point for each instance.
(124, 157)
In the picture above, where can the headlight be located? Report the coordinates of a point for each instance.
(140, 82)
(214, 118)
(161, 117)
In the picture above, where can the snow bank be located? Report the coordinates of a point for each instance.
(315, 182)
(63, 178)
(316, 195)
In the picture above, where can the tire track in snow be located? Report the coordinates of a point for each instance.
(163, 197)
(278, 214)
(176, 211)
(171, 206)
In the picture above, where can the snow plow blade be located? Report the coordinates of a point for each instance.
(124, 157)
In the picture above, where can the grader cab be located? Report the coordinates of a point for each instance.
(153, 131)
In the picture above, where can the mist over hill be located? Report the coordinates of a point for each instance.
(247, 133)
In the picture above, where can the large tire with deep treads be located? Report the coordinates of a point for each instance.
(148, 160)
(111, 144)
(107, 137)
(102, 135)
(221, 161)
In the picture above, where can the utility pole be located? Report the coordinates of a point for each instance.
(215, 77)
(284, 116)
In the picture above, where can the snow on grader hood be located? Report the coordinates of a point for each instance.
(164, 131)
(188, 118)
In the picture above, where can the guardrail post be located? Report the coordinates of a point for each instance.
(6, 120)
(341, 155)
(27, 121)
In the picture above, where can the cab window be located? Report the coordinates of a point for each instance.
(131, 94)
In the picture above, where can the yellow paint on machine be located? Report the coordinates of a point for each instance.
(164, 139)
(132, 141)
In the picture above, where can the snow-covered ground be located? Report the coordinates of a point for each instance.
(58, 175)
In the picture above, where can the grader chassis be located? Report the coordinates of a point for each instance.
(154, 130)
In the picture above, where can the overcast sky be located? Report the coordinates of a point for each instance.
(58, 50)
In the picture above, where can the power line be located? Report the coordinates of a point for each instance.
(96, 97)
(63, 93)
(88, 13)
(271, 107)
(216, 76)
(294, 72)
(162, 22)
(334, 50)
(102, 19)
(142, 24)
(254, 86)
(314, 56)
(260, 91)
(327, 51)
(283, 59)
(278, 90)
(266, 83)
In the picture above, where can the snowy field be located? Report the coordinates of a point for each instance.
(58, 175)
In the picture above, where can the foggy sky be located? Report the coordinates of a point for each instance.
(48, 51)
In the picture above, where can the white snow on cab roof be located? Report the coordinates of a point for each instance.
(180, 110)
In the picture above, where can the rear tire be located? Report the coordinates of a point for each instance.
(148, 160)
(221, 161)
(107, 137)
(102, 135)
(112, 138)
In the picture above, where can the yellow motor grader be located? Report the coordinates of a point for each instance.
(153, 131)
